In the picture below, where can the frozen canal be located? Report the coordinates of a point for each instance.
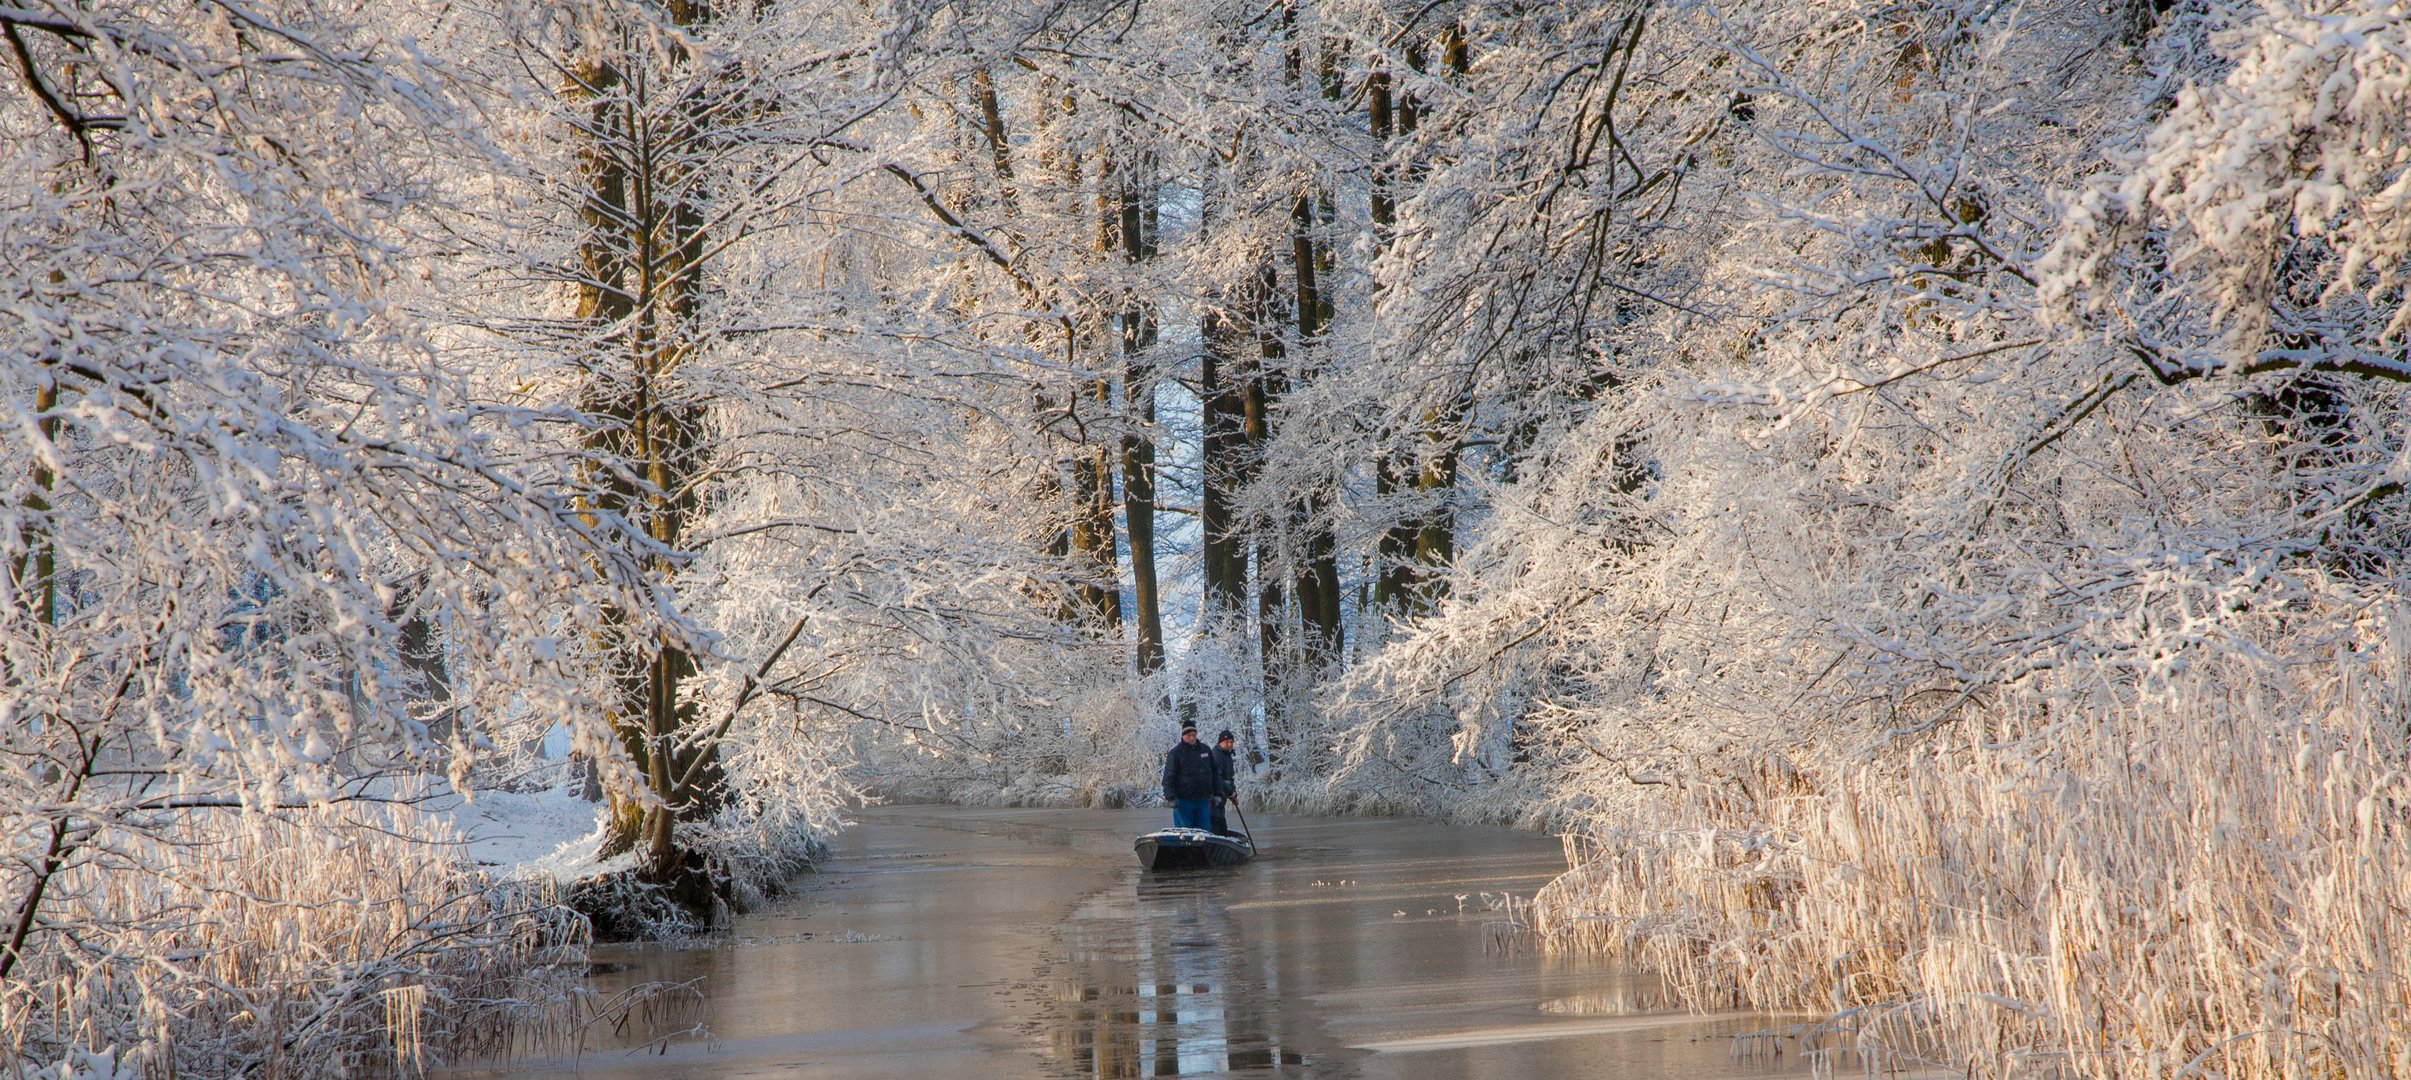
(944, 941)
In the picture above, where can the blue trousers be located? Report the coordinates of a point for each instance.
(1191, 814)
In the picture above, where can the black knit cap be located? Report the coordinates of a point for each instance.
(1188, 725)
(1226, 734)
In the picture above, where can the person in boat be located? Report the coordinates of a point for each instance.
(1226, 779)
(1190, 780)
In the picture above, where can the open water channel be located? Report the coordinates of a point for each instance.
(955, 942)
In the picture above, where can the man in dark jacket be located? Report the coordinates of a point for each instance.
(1190, 780)
(1226, 779)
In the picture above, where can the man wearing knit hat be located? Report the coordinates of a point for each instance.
(1226, 780)
(1190, 780)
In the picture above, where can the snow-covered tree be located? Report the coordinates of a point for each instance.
(2001, 384)
(239, 477)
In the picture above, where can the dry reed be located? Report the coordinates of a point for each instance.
(2213, 883)
(302, 944)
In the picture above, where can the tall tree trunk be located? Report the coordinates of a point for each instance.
(1090, 535)
(1260, 397)
(1222, 444)
(640, 293)
(1136, 227)
(1420, 542)
(1394, 575)
(1079, 602)
(1318, 594)
(1436, 535)
(1096, 458)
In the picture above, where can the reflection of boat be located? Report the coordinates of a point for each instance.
(1175, 849)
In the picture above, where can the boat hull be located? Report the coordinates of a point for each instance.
(1190, 849)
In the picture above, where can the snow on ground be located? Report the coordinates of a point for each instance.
(542, 830)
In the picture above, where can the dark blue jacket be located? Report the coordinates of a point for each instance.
(1189, 772)
(1226, 772)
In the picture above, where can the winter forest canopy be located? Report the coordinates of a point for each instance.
(1913, 488)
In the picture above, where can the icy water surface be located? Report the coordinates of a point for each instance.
(953, 942)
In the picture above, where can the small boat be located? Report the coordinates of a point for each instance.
(1182, 849)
